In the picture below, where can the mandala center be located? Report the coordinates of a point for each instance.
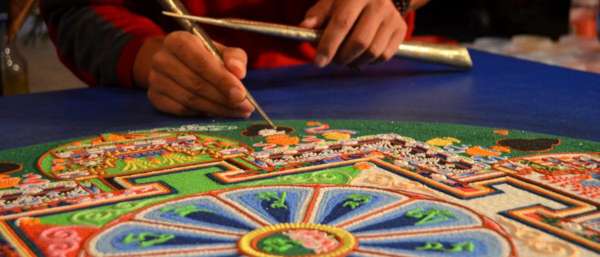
(298, 239)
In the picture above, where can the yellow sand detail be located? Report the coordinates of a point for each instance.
(479, 151)
(502, 149)
(443, 141)
(282, 139)
(502, 132)
(337, 136)
(8, 182)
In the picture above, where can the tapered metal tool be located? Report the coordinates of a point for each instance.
(456, 56)
(179, 11)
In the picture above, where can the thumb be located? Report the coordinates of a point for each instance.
(316, 15)
(235, 60)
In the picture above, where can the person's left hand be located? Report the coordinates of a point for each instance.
(357, 31)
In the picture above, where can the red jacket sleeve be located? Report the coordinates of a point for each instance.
(99, 39)
(410, 22)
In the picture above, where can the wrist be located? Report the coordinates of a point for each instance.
(143, 60)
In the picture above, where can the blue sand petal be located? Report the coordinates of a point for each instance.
(397, 221)
(210, 214)
(331, 210)
(485, 244)
(113, 240)
(296, 201)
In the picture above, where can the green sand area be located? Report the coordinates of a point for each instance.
(193, 181)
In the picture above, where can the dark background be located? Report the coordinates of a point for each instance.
(465, 20)
(3, 6)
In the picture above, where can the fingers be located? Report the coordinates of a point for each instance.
(384, 41)
(166, 104)
(236, 61)
(397, 38)
(343, 16)
(358, 32)
(185, 102)
(316, 15)
(169, 66)
(186, 79)
(363, 36)
(190, 51)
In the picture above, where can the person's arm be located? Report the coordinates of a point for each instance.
(184, 78)
(99, 40)
(107, 42)
(416, 4)
(359, 31)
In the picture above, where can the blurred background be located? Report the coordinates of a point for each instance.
(29, 62)
(556, 32)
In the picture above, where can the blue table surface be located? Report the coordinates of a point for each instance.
(498, 92)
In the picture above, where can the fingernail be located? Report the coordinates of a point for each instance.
(242, 113)
(244, 107)
(236, 94)
(309, 22)
(321, 60)
(247, 115)
(250, 107)
(239, 66)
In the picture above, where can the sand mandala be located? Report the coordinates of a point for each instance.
(303, 221)
(307, 188)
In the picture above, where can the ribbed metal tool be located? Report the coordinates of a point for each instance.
(456, 56)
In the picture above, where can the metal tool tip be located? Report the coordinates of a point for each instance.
(468, 62)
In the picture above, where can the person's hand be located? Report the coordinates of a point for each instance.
(184, 78)
(357, 32)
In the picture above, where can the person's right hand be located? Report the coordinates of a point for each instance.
(185, 79)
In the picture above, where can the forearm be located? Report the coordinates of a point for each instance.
(416, 4)
(143, 60)
(99, 42)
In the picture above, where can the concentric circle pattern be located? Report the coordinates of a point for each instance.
(312, 220)
(297, 239)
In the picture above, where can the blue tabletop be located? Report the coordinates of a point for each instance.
(499, 92)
